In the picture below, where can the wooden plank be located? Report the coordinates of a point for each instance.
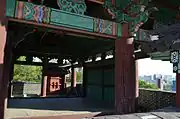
(165, 56)
(159, 54)
(161, 58)
(55, 29)
(71, 20)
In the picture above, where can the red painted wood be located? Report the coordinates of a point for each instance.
(137, 80)
(3, 78)
(54, 85)
(125, 80)
(113, 2)
(2, 86)
(96, 1)
(44, 87)
(74, 78)
(178, 90)
(5, 68)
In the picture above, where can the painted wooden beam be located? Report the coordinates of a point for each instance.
(54, 29)
(49, 16)
(97, 1)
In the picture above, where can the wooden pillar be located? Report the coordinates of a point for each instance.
(44, 87)
(178, 90)
(125, 80)
(137, 85)
(73, 90)
(137, 79)
(5, 67)
(84, 80)
(44, 79)
(72, 77)
(3, 82)
(4, 61)
(11, 73)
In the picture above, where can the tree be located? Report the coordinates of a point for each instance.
(79, 76)
(143, 84)
(27, 73)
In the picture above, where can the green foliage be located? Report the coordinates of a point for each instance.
(27, 73)
(22, 58)
(167, 87)
(79, 76)
(143, 84)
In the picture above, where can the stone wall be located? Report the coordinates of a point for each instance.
(29, 89)
(148, 99)
(156, 99)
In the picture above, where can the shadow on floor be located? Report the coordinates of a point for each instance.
(166, 113)
(70, 104)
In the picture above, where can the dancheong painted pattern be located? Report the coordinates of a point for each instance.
(29, 11)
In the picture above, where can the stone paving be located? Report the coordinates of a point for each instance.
(76, 108)
(22, 108)
(166, 113)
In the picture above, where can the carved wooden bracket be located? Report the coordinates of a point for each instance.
(136, 13)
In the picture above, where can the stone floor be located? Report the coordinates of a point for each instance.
(76, 108)
(43, 108)
(166, 113)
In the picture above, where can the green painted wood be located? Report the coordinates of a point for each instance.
(109, 95)
(10, 8)
(94, 92)
(108, 77)
(160, 54)
(161, 58)
(94, 76)
(165, 56)
(134, 13)
(28, 10)
(41, 14)
(119, 30)
(73, 6)
(61, 18)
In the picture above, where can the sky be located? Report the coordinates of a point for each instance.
(149, 67)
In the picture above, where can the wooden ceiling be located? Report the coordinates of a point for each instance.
(62, 44)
